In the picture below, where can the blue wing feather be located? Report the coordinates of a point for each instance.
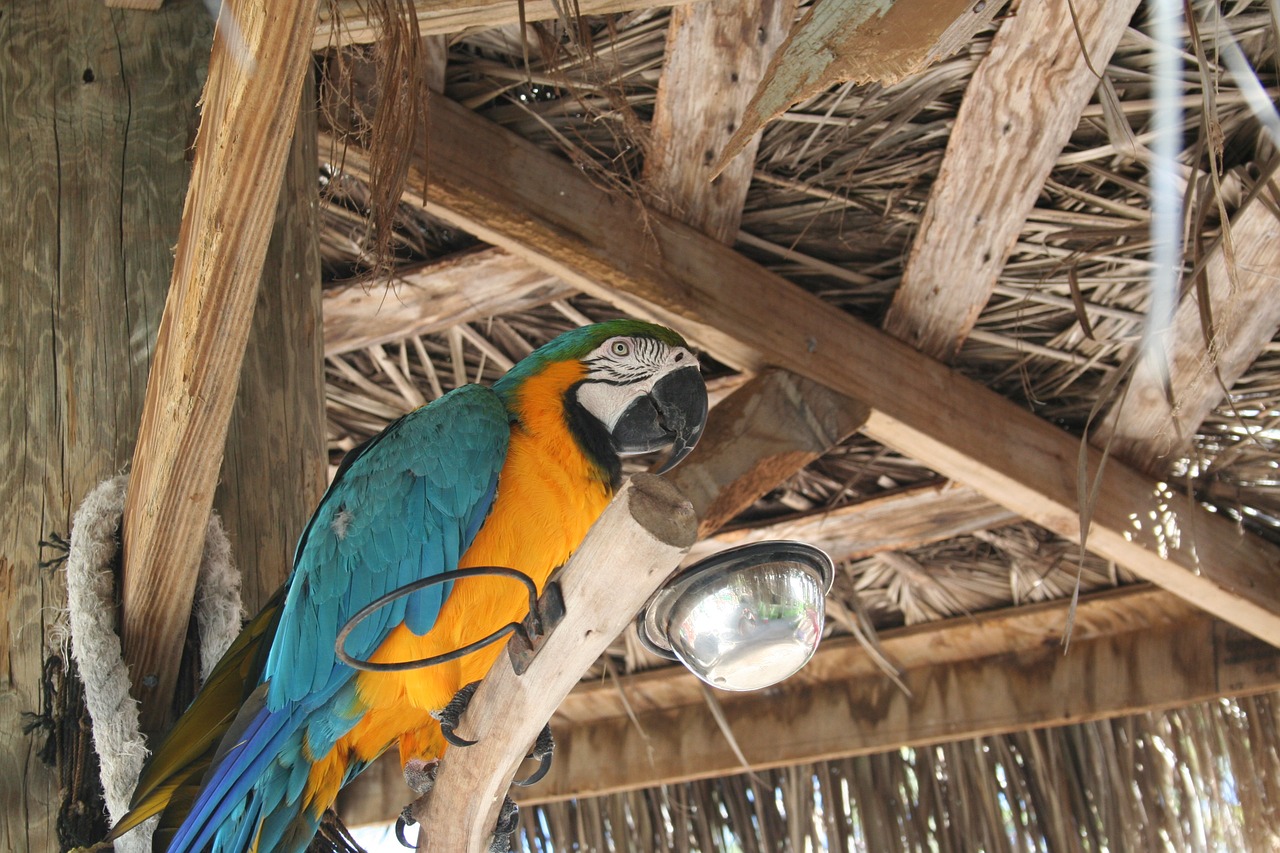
(404, 506)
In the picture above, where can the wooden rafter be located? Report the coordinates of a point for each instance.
(510, 193)
(433, 297)
(901, 520)
(349, 22)
(250, 107)
(708, 77)
(1145, 430)
(1018, 112)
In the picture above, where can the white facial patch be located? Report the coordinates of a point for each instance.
(624, 368)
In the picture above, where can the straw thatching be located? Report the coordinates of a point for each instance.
(839, 190)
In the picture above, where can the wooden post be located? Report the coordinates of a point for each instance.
(99, 108)
(250, 108)
(275, 468)
(624, 558)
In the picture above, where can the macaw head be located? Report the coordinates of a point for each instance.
(635, 385)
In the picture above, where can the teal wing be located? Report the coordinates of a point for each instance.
(404, 506)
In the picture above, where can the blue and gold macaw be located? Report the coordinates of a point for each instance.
(508, 476)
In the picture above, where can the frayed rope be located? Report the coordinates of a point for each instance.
(95, 643)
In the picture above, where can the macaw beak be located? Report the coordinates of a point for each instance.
(672, 414)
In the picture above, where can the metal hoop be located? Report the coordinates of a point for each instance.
(412, 587)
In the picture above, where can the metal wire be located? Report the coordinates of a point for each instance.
(339, 646)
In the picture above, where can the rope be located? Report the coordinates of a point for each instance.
(96, 648)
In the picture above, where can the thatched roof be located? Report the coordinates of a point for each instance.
(837, 204)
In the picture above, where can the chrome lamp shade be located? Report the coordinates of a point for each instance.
(742, 619)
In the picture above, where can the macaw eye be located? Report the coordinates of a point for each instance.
(621, 348)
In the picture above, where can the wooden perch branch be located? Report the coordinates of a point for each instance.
(250, 108)
(638, 540)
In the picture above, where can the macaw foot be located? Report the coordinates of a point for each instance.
(420, 775)
(451, 715)
(508, 820)
(542, 751)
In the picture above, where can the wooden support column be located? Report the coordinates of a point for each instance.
(275, 469)
(250, 108)
(653, 525)
(97, 113)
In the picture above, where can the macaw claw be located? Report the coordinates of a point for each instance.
(406, 819)
(543, 749)
(451, 715)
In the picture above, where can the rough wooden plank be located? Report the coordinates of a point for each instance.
(276, 467)
(433, 297)
(1145, 431)
(998, 673)
(904, 519)
(250, 107)
(653, 525)
(758, 436)
(96, 113)
(1018, 112)
(859, 40)
(506, 191)
(348, 21)
(716, 55)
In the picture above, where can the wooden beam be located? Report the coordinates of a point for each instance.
(716, 55)
(1018, 111)
(653, 525)
(97, 111)
(1131, 652)
(250, 107)
(348, 21)
(1145, 430)
(433, 297)
(764, 432)
(276, 466)
(904, 519)
(509, 193)
(856, 40)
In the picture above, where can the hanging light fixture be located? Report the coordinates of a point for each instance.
(744, 618)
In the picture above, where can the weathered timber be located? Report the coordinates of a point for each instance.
(433, 297)
(856, 40)
(274, 471)
(764, 432)
(249, 111)
(348, 21)
(653, 525)
(716, 55)
(508, 192)
(1145, 430)
(1018, 111)
(904, 519)
(97, 111)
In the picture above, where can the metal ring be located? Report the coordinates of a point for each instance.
(412, 587)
